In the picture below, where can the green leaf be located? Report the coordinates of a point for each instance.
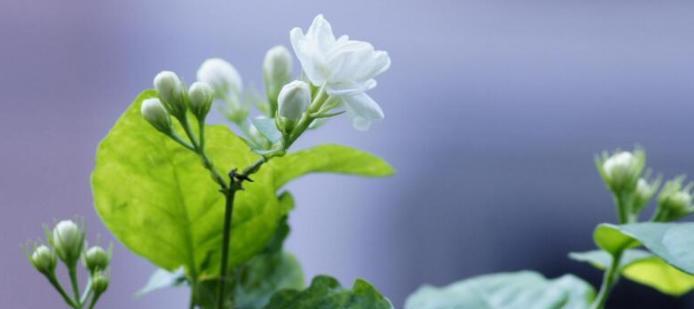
(326, 293)
(161, 279)
(264, 276)
(645, 268)
(329, 158)
(611, 239)
(673, 242)
(523, 289)
(159, 201)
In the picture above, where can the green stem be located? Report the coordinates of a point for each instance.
(94, 300)
(226, 238)
(58, 287)
(612, 272)
(608, 282)
(75, 285)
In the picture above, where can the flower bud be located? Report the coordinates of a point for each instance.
(171, 92)
(221, 76)
(155, 113)
(96, 258)
(622, 170)
(43, 259)
(201, 96)
(99, 282)
(293, 100)
(68, 240)
(277, 70)
(643, 193)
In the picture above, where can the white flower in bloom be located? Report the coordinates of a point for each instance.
(221, 76)
(345, 67)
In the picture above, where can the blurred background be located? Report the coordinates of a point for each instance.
(494, 110)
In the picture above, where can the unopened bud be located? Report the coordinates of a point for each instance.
(201, 96)
(221, 76)
(68, 240)
(277, 70)
(171, 92)
(99, 282)
(43, 259)
(155, 113)
(622, 170)
(293, 100)
(96, 259)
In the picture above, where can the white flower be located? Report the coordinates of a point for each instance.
(346, 68)
(221, 76)
(293, 100)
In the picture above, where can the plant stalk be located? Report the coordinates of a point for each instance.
(75, 285)
(54, 282)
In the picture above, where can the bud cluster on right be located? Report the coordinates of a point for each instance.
(66, 243)
(633, 187)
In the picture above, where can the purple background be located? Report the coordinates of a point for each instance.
(493, 113)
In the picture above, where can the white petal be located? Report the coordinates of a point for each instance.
(350, 89)
(363, 110)
(311, 60)
(321, 32)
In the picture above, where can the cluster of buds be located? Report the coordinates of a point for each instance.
(66, 243)
(674, 200)
(174, 100)
(623, 174)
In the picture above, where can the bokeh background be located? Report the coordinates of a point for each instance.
(494, 110)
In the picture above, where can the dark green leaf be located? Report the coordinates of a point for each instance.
(326, 293)
(517, 290)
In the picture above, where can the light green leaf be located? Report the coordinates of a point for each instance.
(329, 158)
(161, 279)
(611, 239)
(516, 290)
(326, 293)
(645, 268)
(159, 201)
(673, 242)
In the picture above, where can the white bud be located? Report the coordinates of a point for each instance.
(155, 113)
(68, 240)
(277, 70)
(170, 90)
(620, 168)
(43, 259)
(293, 100)
(201, 96)
(221, 76)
